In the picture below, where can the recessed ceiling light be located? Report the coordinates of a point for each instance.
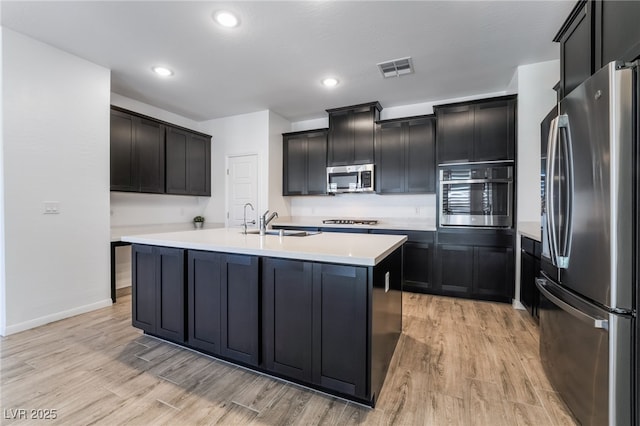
(162, 71)
(330, 82)
(226, 19)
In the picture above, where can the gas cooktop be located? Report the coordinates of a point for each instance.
(350, 221)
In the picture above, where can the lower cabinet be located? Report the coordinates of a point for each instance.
(475, 263)
(223, 305)
(314, 308)
(158, 291)
(529, 270)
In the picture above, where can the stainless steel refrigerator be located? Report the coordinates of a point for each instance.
(588, 284)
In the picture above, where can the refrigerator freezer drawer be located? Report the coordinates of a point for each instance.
(586, 353)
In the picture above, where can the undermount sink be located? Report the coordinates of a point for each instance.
(285, 232)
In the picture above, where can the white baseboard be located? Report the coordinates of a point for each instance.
(17, 328)
(518, 305)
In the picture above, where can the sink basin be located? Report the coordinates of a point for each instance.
(286, 232)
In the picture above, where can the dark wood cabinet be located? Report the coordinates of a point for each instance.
(476, 263)
(595, 33)
(204, 302)
(240, 300)
(152, 156)
(529, 271)
(188, 163)
(340, 328)
(158, 297)
(287, 317)
(482, 130)
(617, 31)
(576, 51)
(304, 163)
(137, 154)
(351, 134)
(405, 155)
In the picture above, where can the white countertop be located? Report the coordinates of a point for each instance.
(118, 231)
(401, 224)
(330, 247)
(530, 229)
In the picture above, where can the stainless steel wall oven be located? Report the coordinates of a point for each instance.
(476, 194)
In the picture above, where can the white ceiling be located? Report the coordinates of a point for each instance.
(276, 58)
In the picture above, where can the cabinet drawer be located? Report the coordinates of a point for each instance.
(412, 236)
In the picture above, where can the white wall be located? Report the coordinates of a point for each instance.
(55, 147)
(143, 209)
(254, 133)
(536, 97)
(3, 309)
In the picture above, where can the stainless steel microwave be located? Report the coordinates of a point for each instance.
(357, 178)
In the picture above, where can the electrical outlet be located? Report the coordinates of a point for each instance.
(386, 281)
(52, 207)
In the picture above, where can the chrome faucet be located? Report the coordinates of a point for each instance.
(244, 223)
(264, 221)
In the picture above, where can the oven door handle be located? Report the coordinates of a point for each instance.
(477, 181)
(576, 313)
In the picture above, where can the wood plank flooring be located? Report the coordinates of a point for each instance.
(458, 362)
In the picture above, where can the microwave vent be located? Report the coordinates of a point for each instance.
(396, 67)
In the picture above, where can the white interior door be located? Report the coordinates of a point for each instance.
(242, 188)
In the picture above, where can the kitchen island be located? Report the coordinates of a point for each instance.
(323, 310)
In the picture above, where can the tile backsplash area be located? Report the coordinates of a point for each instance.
(422, 206)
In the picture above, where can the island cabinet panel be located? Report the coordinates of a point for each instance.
(204, 271)
(340, 328)
(240, 308)
(287, 317)
(158, 300)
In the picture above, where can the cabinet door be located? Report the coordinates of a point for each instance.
(340, 328)
(122, 147)
(493, 273)
(317, 164)
(576, 53)
(239, 320)
(455, 269)
(390, 167)
(527, 279)
(176, 159)
(617, 31)
(494, 131)
(149, 137)
(199, 165)
(171, 293)
(418, 267)
(455, 134)
(295, 166)
(420, 154)
(363, 136)
(204, 270)
(144, 288)
(287, 317)
(341, 143)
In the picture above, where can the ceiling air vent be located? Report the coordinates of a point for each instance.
(396, 67)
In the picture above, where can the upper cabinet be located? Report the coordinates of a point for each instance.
(351, 134)
(152, 156)
(137, 154)
(477, 131)
(188, 159)
(405, 155)
(595, 33)
(304, 163)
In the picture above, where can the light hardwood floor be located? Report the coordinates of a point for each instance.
(458, 362)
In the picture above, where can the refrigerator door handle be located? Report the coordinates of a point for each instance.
(563, 254)
(550, 190)
(576, 313)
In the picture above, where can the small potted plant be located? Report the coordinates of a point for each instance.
(198, 221)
